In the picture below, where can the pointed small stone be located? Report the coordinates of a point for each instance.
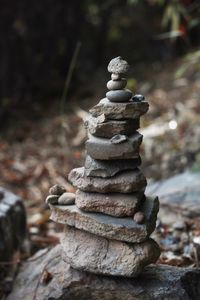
(57, 190)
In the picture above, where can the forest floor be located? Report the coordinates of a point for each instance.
(36, 154)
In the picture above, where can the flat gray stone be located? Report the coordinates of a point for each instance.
(121, 229)
(114, 204)
(117, 111)
(156, 282)
(124, 182)
(104, 149)
(88, 252)
(108, 129)
(119, 95)
(106, 168)
(118, 66)
(118, 139)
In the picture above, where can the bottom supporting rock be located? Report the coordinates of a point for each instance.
(88, 252)
(47, 277)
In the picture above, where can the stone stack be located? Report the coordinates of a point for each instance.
(107, 230)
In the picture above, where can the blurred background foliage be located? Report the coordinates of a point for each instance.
(39, 38)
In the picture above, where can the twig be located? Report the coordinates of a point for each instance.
(69, 76)
(38, 282)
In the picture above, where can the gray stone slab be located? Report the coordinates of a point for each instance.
(104, 149)
(110, 128)
(181, 191)
(155, 283)
(117, 111)
(88, 252)
(114, 204)
(122, 229)
(124, 182)
(105, 168)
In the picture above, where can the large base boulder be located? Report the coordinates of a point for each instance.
(47, 277)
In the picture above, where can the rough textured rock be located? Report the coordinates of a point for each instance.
(87, 252)
(108, 129)
(104, 149)
(118, 66)
(105, 168)
(117, 111)
(114, 204)
(66, 199)
(13, 231)
(116, 84)
(155, 282)
(122, 229)
(124, 182)
(119, 95)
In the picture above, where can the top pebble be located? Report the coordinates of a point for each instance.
(118, 66)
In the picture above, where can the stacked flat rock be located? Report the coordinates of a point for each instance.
(107, 230)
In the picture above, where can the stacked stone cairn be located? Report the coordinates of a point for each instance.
(107, 229)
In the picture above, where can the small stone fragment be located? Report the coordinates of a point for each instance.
(118, 139)
(116, 84)
(57, 190)
(139, 217)
(138, 98)
(52, 199)
(118, 66)
(66, 199)
(119, 95)
(115, 77)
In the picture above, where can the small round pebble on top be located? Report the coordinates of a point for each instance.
(57, 190)
(118, 66)
(139, 217)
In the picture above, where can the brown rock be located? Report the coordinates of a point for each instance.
(106, 168)
(88, 252)
(110, 128)
(57, 190)
(104, 149)
(139, 217)
(117, 111)
(124, 182)
(114, 204)
(66, 199)
(122, 229)
(155, 282)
